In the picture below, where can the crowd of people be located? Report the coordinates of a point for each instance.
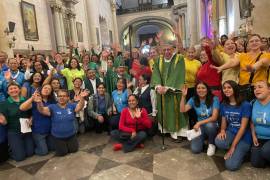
(220, 88)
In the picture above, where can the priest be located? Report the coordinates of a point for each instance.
(168, 77)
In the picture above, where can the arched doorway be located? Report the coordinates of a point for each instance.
(139, 30)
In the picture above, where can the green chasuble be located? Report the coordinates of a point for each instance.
(170, 74)
(118, 61)
(111, 78)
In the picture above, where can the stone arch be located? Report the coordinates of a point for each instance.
(137, 23)
(147, 18)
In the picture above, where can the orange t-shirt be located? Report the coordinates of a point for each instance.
(261, 74)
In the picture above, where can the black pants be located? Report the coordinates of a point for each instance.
(64, 146)
(3, 151)
(114, 122)
(125, 139)
(101, 127)
(192, 117)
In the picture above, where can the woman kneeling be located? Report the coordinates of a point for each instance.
(206, 107)
(234, 135)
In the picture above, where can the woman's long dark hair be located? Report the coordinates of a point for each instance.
(209, 96)
(50, 97)
(236, 93)
(78, 64)
(31, 81)
(124, 81)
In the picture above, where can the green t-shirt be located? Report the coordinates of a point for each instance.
(71, 74)
(10, 109)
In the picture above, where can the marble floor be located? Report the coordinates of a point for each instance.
(97, 161)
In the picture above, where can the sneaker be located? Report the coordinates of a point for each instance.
(211, 150)
(117, 147)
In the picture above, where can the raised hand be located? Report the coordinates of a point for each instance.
(150, 40)
(53, 53)
(47, 60)
(84, 93)
(184, 90)
(7, 75)
(138, 113)
(159, 34)
(37, 97)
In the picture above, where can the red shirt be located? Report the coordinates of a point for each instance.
(128, 124)
(207, 74)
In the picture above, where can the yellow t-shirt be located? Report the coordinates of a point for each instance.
(192, 67)
(260, 75)
(232, 73)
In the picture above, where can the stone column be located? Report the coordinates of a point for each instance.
(92, 21)
(115, 33)
(58, 29)
(183, 29)
(73, 28)
(61, 19)
(192, 21)
(222, 17)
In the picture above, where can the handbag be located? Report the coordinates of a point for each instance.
(246, 91)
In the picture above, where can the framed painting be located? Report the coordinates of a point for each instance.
(79, 31)
(29, 21)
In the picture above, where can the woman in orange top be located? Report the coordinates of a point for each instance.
(248, 59)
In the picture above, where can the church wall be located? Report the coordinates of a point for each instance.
(13, 13)
(261, 16)
(81, 17)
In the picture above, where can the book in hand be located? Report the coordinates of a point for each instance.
(173, 90)
(192, 134)
(25, 127)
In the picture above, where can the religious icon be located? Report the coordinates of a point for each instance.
(29, 21)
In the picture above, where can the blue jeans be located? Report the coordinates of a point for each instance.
(43, 143)
(21, 145)
(208, 130)
(260, 155)
(128, 143)
(240, 151)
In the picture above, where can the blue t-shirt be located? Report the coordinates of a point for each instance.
(18, 77)
(3, 88)
(3, 133)
(202, 111)
(4, 69)
(62, 119)
(234, 115)
(261, 119)
(41, 124)
(30, 89)
(120, 100)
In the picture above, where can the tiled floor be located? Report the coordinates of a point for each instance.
(96, 160)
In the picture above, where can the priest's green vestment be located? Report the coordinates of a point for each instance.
(172, 75)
